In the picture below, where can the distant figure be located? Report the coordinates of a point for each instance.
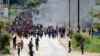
(69, 46)
(30, 45)
(62, 31)
(45, 31)
(82, 47)
(21, 44)
(12, 34)
(18, 49)
(31, 40)
(37, 43)
(14, 42)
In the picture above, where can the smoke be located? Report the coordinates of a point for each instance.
(54, 12)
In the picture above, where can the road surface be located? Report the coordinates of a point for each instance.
(47, 47)
(51, 47)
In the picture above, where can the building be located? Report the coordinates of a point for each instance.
(4, 10)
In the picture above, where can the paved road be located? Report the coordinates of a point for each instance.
(48, 47)
(51, 47)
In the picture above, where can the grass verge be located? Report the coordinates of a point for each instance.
(92, 43)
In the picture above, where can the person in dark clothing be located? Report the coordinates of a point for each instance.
(53, 33)
(49, 32)
(82, 47)
(45, 31)
(41, 26)
(25, 35)
(30, 48)
(31, 40)
(12, 34)
(14, 42)
(37, 43)
(69, 46)
(18, 49)
(63, 31)
(30, 45)
(31, 53)
(21, 43)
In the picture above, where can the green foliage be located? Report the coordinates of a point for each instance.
(95, 13)
(11, 1)
(35, 2)
(3, 22)
(91, 43)
(4, 38)
(96, 24)
(94, 46)
(78, 38)
(30, 4)
(6, 50)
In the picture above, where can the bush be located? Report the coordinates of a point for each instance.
(78, 38)
(5, 42)
(5, 38)
(35, 2)
(91, 43)
(6, 50)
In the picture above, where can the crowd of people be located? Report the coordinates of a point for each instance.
(19, 46)
(23, 26)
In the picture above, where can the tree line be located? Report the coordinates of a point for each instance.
(11, 2)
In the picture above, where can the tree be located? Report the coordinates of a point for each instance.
(78, 38)
(35, 2)
(1, 25)
(97, 15)
(4, 37)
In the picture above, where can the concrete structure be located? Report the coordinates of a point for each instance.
(4, 9)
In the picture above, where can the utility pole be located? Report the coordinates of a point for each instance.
(92, 22)
(1, 3)
(8, 9)
(78, 17)
(69, 17)
(8, 2)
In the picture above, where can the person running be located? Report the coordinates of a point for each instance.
(14, 42)
(37, 43)
(69, 46)
(82, 47)
(18, 49)
(30, 45)
(21, 43)
(30, 48)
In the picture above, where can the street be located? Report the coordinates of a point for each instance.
(51, 47)
(47, 47)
